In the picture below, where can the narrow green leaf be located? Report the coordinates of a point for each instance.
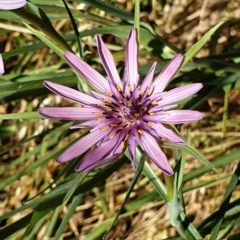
(140, 163)
(117, 12)
(197, 46)
(225, 203)
(80, 177)
(137, 17)
(75, 27)
(71, 209)
(154, 179)
(41, 26)
(37, 216)
(218, 162)
(189, 149)
(48, 41)
(16, 226)
(24, 115)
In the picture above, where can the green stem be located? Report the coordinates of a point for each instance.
(137, 17)
(169, 185)
(174, 207)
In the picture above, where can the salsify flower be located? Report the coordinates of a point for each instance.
(122, 113)
(12, 4)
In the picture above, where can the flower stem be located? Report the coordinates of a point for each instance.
(169, 185)
(174, 207)
(137, 17)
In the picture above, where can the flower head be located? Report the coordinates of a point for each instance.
(122, 113)
(12, 4)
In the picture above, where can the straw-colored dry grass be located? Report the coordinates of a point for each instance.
(181, 23)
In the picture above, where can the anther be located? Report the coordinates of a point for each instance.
(140, 131)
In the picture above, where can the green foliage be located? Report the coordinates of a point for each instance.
(30, 145)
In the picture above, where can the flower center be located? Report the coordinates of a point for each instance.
(125, 112)
(129, 112)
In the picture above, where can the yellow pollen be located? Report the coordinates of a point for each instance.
(129, 103)
(154, 102)
(112, 134)
(101, 119)
(120, 101)
(123, 143)
(98, 113)
(151, 113)
(108, 109)
(149, 91)
(129, 88)
(107, 101)
(113, 125)
(140, 131)
(139, 103)
(149, 124)
(139, 91)
(119, 88)
(108, 94)
(104, 128)
(100, 104)
(120, 127)
(136, 114)
(115, 115)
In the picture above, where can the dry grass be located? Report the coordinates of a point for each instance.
(181, 23)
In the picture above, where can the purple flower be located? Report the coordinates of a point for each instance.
(1, 66)
(122, 114)
(12, 4)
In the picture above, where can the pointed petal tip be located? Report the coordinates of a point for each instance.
(168, 172)
(166, 75)
(61, 160)
(131, 59)
(67, 54)
(47, 83)
(133, 32)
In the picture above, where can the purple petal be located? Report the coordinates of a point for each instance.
(166, 75)
(152, 149)
(181, 116)
(159, 108)
(106, 122)
(1, 66)
(179, 93)
(157, 118)
(91, 75)
(71, 94)
(103, 97)
(131, 59)
(68, 113)
(12, 4)
(148, 78)
(87, 124)
(166, 133)
(94, 165)
(108, 62)
(82, 145)
(98, 156)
